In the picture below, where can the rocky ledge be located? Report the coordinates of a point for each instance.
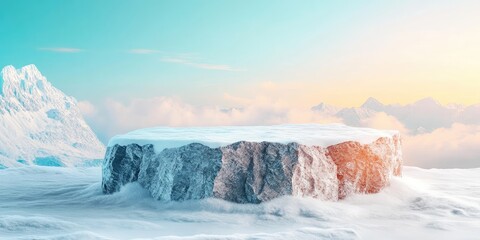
(253, 164)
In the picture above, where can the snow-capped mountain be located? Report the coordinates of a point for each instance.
(373, 104)
(354, 116)
(423, 115)
(41, 125)
(325, 109)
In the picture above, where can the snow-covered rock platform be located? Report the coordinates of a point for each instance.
(253, 164)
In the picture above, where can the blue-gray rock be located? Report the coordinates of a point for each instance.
(251, 172)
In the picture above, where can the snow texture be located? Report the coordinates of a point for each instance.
(307, 134)
(68, 203)
(41, 125)
(291, 160)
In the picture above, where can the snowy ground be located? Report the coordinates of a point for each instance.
(67, 203)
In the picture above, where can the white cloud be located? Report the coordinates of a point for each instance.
(186, 59)
(189, 61)
(62, 50)
(143, 51)
(381, 120)
(457, 146)
(454, 147)
(449, 147)
(87, 108)
(114, 117)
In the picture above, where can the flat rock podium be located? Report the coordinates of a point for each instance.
(253, 164)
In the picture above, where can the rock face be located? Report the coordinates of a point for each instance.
(254, 172)
(366, 168)
(41, 125)
(187, 172)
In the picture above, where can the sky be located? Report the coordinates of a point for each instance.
(224, 53)
(136, 64)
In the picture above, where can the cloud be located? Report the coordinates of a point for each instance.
(62, 50)
(456, 146)
(381, 120)
(113, 117)
(184, 59)
(447, 147)
(87, 108)
(189, 61)
(143, 51)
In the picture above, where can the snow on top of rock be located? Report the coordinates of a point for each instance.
(307, 134)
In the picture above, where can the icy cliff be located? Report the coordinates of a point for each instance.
(41, 125)
(253, 164)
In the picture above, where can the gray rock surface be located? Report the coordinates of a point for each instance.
(255, 172)
(242, 172)
(187, 172)
(121, 166)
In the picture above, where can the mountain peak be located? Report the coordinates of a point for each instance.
(28, 73)
(26, 89)
(427, 101)
(8, 73)
(8, 68)
(42, 121)
(325, 108)
(373, 103)
(31, 70)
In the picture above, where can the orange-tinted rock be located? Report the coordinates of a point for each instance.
(366, 168)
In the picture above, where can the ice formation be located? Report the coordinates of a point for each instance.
(253, 164)
(41, 125)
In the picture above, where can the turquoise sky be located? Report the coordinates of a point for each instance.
(201, 50)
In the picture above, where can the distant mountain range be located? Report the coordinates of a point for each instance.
(421, 116)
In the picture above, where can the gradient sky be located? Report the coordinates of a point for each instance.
(302, 52)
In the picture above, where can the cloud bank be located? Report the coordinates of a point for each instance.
(453, 145)
(114, 117)
(457, 146)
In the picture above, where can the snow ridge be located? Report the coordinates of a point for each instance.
(41, 125)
